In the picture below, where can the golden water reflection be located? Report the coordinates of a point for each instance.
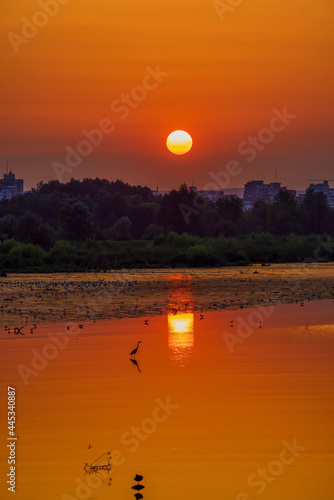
(180, 336)
(180, 319)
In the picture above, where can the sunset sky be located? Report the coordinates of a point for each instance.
(223, 75)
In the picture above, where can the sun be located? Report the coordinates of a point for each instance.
(179, 142)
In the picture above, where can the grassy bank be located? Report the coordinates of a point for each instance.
(171, 251)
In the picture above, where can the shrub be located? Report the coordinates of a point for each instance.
(200, 255)
(158, 240)
(27, 255)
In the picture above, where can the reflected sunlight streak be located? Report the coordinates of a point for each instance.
(180, 336)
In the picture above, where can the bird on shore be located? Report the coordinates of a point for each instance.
(17, 330)
(134, 352)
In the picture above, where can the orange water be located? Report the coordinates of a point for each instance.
(234, 409)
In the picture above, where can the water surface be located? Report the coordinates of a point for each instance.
(234, 399)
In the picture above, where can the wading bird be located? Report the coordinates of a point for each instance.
(134, 352)
(17, 330)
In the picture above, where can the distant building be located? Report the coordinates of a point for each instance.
(211, 194)
(257, 190)
(158, 192)
(324, 188)
(10, 186)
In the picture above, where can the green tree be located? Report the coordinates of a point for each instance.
(230, 215)
(75, 221)
(179, 210)
(8, 225)
(27, 228)
(285, 213)
(23, 255)
(121, 230)
(315, 213)
(103, 214)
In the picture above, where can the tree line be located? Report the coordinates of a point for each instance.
(113, 210)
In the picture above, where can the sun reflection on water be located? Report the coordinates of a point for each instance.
(180, 336)
(180, 320)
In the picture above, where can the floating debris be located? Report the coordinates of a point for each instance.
(94, 466)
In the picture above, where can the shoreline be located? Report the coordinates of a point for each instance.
(35, 299)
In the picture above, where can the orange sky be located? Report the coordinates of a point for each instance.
(224, 79)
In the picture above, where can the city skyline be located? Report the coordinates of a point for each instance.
(237, 182)
(253, 189)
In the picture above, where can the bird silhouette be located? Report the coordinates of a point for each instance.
(146, 321)
(90, 446)
(17, 330)
(138, 478)
(138, 496)
(138, 487)
(134, 352)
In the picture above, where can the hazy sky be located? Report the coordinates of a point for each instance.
(141, 69)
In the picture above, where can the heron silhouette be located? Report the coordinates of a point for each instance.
(134, 352)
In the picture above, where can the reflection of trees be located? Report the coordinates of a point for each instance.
(180, 319)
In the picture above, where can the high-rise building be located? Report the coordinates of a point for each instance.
(257, 190)
(10, 186)
(324, 188)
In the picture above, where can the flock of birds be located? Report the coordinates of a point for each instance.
(32, 301)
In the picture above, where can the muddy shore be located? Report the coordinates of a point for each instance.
(27, 299)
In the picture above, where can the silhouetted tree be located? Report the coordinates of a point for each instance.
(8, 225)
(315, 213)
(121, 230)
(75, 221)
(285, 213)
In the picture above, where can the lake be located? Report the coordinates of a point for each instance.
(232, 404)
